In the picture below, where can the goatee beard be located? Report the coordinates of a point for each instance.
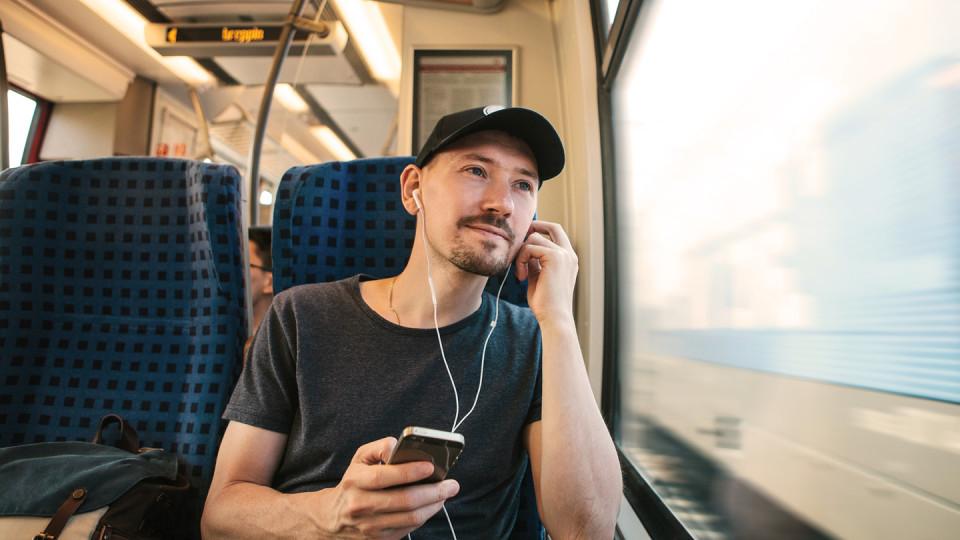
(480, 264)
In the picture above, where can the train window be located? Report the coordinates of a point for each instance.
(789, 245)
(22, 111)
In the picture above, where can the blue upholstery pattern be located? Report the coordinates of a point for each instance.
(122, 291)
(338, 219)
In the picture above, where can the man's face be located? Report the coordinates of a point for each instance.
(479, 197)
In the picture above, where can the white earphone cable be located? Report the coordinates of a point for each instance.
(436, 322)
(483, 355)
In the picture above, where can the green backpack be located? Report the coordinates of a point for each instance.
(66, 490)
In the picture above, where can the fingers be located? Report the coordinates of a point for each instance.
(374, 475)
(388, 476)
(411, 498)
(541, 239)
(531, 258)
(554, 231)
(544, 236)
(399, 508)
(407, 521)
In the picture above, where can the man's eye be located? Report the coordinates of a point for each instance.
(475, 171)
(525, 186)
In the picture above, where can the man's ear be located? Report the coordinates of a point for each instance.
(410, 180)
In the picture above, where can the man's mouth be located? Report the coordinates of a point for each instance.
(490, 230)
(489, 224)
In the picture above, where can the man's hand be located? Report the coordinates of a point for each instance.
(371, 502)
(548, 261)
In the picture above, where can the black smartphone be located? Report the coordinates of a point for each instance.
(442, 448)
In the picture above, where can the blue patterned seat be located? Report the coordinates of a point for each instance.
(122, 291)
(338, 219)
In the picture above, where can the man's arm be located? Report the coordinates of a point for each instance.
(575, 466)
(242, 505)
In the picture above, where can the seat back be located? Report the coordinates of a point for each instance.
(338, 219)
(122, 291)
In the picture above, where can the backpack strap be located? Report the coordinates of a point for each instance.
(129, 440)
(64, 513)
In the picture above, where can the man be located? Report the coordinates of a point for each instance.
(337, 368)
(261, 272)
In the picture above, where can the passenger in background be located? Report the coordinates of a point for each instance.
(261, 272)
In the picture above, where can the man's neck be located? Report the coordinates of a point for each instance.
(406, 300)
(458, 295)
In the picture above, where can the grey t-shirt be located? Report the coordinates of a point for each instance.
(331, 374)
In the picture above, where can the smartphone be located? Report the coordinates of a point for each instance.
(442, 448)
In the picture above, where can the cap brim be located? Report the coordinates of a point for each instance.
(525, 124)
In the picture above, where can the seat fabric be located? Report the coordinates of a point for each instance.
(122, 291)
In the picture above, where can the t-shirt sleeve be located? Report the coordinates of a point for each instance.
(266, 394)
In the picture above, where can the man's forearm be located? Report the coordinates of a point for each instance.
(580, 481)
(246, 510)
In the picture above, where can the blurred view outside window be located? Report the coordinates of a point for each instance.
(788, 182)
(22, 110)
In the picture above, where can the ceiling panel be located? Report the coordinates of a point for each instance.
(365, 113)
(51, 80)
(228, 10)
(315, 69)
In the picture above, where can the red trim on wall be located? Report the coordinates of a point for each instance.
(36, 140)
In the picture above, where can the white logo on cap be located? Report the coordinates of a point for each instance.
(490, 109)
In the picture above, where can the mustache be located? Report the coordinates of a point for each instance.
(489, 219)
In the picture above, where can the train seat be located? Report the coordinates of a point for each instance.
(338, 219)
(122, 291)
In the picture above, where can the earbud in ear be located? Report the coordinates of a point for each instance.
(416, 199)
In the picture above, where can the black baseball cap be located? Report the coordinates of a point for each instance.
(524, 124)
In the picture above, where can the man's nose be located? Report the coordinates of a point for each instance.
(498, 199)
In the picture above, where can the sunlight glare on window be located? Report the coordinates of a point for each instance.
(22, 110)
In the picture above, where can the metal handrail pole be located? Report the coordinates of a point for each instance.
(283, 47)
(206, 150)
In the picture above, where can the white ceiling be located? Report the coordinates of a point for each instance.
(365, 113)
(91, 27)
(42, 76)
(228, 10)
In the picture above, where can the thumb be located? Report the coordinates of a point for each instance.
(375, 452)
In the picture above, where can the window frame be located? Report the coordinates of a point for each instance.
(654, 514)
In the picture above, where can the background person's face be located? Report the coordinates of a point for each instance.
(261, 281)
